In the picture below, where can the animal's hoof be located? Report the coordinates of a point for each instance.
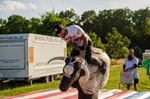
(103, 68)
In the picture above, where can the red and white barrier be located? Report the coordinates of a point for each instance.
(73, 94)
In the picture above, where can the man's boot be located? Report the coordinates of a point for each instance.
(103, 68)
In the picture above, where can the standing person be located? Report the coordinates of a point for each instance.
(80, 41)
(130, 65)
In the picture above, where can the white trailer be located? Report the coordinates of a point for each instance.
(25, 56)
(146, 54)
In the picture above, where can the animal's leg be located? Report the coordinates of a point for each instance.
(81, 95)
(95, 95)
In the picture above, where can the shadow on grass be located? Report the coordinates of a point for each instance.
(14, 84)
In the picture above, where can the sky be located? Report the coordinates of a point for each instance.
(35, 8)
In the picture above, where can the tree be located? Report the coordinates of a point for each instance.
(17, 24)
(117, 44)
(87, 21)
(96, 41)
(137, 52)
(121, 19)
(118, 18)
(69, 15)
(3, 28)
(102, 24)
(47, 22)
(34, 25)
(141, 20)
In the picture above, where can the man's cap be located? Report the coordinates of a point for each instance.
(58, 28)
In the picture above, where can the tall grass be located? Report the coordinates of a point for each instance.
(10, 88)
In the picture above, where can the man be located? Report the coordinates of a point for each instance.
(80, 41)
(130, 64)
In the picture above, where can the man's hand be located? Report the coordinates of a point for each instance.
(133, 67)
(82, 53)
(126, 70)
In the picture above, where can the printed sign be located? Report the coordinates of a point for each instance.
(12, 55)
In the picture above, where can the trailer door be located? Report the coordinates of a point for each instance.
(12, 55)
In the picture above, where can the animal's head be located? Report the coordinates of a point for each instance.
(72, 71)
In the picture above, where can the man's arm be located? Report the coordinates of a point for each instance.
(124, 66)
(133, 67)
(85, 40)
(74, 46)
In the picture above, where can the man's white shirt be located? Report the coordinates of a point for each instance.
(131, 63)
(74, 34)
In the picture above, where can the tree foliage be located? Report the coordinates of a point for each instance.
(142, 28)
(96, 41)
(17, 24)
(69, 15)
(117, 44)
(137, 51)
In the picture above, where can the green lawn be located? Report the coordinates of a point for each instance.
(10, 89)
(114, 79)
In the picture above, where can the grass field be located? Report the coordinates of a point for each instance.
(10, 88)
(114, 79)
